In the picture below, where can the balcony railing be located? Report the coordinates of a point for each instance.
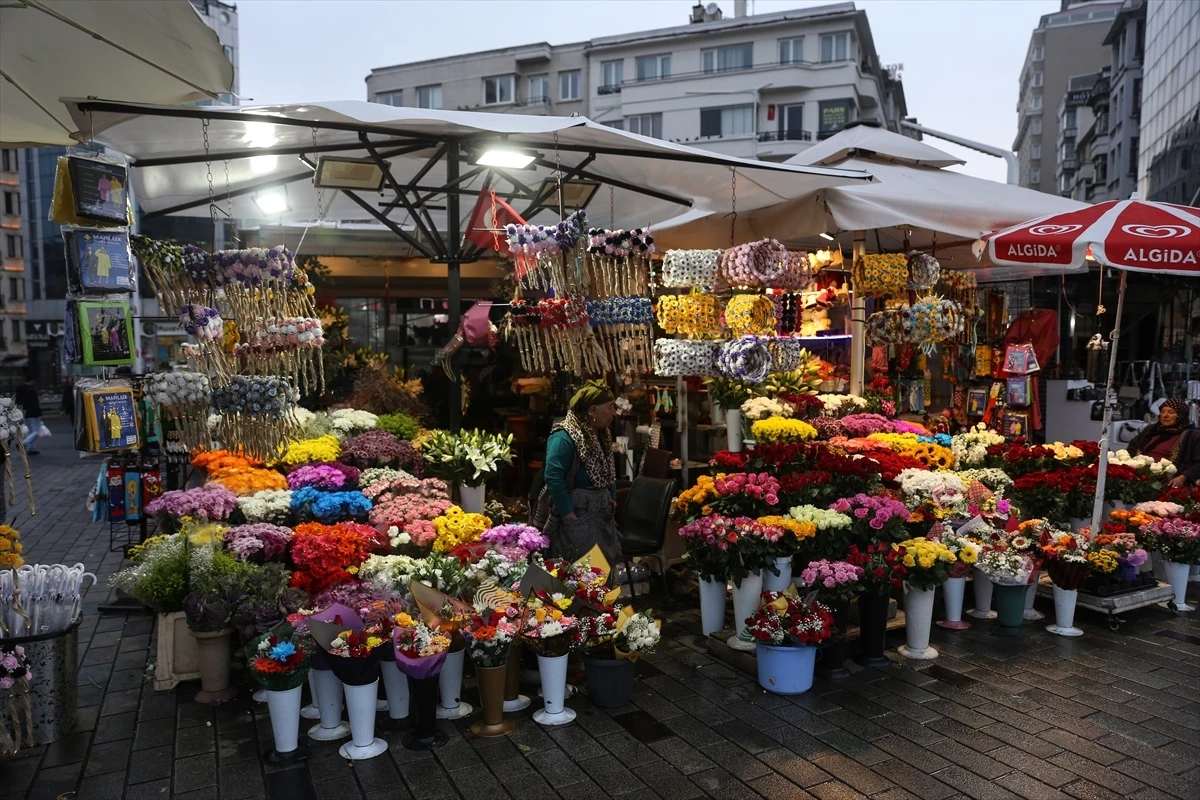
(609, 89)
(758, 65)
(785, 136)
(1069, 133)
(1068, 164)
(534, 101)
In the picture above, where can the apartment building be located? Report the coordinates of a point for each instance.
(223, 18)
(1074, 113)
(1169, 154)
(1065, 44)
(12, 259)
(757, 86)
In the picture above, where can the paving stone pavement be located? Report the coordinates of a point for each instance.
(1107, 715)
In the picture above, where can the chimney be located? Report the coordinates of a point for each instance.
(697, 13)
(739, 8)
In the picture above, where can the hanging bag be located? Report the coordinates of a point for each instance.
(1020, 359)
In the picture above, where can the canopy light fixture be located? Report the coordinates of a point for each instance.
(576, 193)
(272, 201)
(505, 158)
(827, 236)
(337, 172)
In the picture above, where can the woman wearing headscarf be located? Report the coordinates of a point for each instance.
(578, 503)
(1174, 439)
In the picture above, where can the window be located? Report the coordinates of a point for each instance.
(1133, 155)
(619, 124)
(12, 249)
(730, 121)
(1038, 78)
(568, 85)
(1035, 151)
(539, 89)
(612, 73)
(228, 52)
(1137, 98)
(1035, 102)
(791, 121)
(1069, 120)
(791, 51)
(835, 47)
(14, 289)
(497, 90)
(1039, 53)
(833, 116)
(645, 124)
(653, 68)
(12, 203)
(395, 98)
(1035, 175)
(429, 96)
(1037, 126)
(16, 329)
(6, 161)
(727, 59)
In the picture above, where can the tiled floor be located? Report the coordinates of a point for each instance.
(1108, 715)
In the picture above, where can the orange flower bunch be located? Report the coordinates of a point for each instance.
(329, 554)
(244, 481)
(217, 460)
(1134, 519)
(798, 528)
(694, 501)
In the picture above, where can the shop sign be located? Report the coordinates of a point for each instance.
(834, 114)
(37, 334)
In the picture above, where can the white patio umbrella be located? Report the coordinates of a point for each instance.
(148, 52)
(1131, 235)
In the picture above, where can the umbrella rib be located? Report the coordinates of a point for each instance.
(71, 23)
(33, 100)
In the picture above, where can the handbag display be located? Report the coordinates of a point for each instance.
(1120, 411)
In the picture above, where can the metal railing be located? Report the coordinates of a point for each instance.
(745, 68)
(785, 136)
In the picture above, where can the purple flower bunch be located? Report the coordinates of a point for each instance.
(902, 426)
(515, 540)
(833, 580)
(258, 542)
(883, 517)
(859, 426)
(203, 322)
(318, 476)
(382, 449)
(828, 427)
(209, 502)
(13, 668)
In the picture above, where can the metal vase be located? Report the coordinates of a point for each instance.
(491, 698)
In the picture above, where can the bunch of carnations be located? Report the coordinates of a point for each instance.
(874, 517)
(279, 659)
(248, 480)
(326, 477)
(828, 428)
(1178, 539)
(788, 621)
(258, 542)
(515, 540)
(746, 493)
(209, 502)
(305, 451)
(350, 421)
(405, 510)
(882, 567)
(271, 505)
(833, 581)
(928, 562)
(373, 475)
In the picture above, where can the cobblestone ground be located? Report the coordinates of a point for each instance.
(1108, 715)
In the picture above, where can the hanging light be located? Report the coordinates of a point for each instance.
(272, 201)
(505, 158)
(827, 236)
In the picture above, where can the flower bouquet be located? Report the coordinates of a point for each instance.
(783, 547)
(329, 507)
(269, 505)
(467, 457)
(835, 584)
(874, 518)
(779, 429)
(210, 502)
(258, 542)
(382, 449)
(746, 494)
(455, 527)
(352, 650)
(928, 564)
(248, 481)
(420, 651)
(1010, 569)
(516, 541)
(550, 633)
(489, 635)
(1179, 541)
(883, 571)
(279, 660)
(330, 477)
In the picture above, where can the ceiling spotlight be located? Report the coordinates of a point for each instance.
(505, 158)
(575, 193)
(827, 236)
(335, 172)
(272, 201)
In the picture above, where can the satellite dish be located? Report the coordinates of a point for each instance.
(712, 9)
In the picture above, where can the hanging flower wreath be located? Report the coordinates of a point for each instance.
(746, 359)
(676, 357)
(750, 315)
(694, 268)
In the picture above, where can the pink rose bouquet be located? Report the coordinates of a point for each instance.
(746, 494)
(874, 518)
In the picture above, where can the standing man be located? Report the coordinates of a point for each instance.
(27, 399)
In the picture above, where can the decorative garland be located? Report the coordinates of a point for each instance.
(623, 327)
(257, 413)
(691, 268)
(883, 273)
(694, 316)
(553, 335)
(546, 250)
(756, 265)
(750, 315)
(923, 270)
(12, 419)
(619, 261)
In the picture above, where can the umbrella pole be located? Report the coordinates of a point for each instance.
(1102, 468)
(858, 324)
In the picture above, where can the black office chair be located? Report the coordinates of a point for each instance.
(643, 525)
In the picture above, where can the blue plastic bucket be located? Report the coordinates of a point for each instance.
(786, 670)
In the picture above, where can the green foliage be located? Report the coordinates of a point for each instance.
(400, 425)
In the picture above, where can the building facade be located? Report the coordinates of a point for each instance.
(223, 19)
(1169, 153)
(761, 86)
(12, 259)
(1073, 114)
(1065, 44)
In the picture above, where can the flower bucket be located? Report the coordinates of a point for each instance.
(918, 619)
(872, 629)
(329, 703)
(1158, 565)
(1010, 607)
(786, 670)
(553, 670)
(395, 687)
(513, 699)
(311, 711)
(450, 704)
(1064, 612)
(1031, 613)
(471, 498)
(718, 414)
(712, 606)
(745, 602)
(952, 597)
(834, 649)
(609, 681)
(1177, 576)
(780, 582)
(214, 651)
(981, 585)
(423, 701)
(733, 430)
(284, 709)
(176, 657)
(491, 700)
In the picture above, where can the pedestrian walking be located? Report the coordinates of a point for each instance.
(27, 398)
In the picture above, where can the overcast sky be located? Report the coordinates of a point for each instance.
(961, 58)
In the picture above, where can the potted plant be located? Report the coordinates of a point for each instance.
(1009, 571)
(612, 641)
(836, 584)
(215, 588)
(882, 572)
(786, 631)
(420, 651)
(279, 660)
(1179, 541)
(469, 458)
(928, 565)
(729, 394)
(158, 578)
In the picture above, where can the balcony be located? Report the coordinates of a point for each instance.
(785, 136)
(532, 55)
(610, 89)
(533, 102)
(1068, 164)
(1068, 133)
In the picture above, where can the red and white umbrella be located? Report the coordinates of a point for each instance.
(1131, 235)
(1128, 234)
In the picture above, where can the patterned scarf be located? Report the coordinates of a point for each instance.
(593, 450)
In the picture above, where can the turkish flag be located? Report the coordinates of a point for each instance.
(484, 230)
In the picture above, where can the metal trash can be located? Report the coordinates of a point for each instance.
(53, 660)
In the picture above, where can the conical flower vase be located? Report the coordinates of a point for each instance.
(1010, 608)
(1031, 613)
(833, 652)
(214, 649)
(746, 597)
(733, 429)
(284, 708)
(918, 619)
(712, 606)
(491, 698)
(1177, 576)
(952, 597)
(982, 585)
(553, 670)
(872, 629)
(311, 711)
(423, 701)
(395, 686)
(777, 583)
(513, 699)
(451, 705)
(329, 703)
(472, 498)
(360, 705)
(1064, 613)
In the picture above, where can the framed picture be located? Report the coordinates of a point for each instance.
(98, 260)
(1016, 423)
(977, 400)
(105, 333)
(99, 189)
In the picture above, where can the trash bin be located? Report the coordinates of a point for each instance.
(53, 660)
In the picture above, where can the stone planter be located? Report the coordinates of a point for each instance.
(215, 650)
(177, 658)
